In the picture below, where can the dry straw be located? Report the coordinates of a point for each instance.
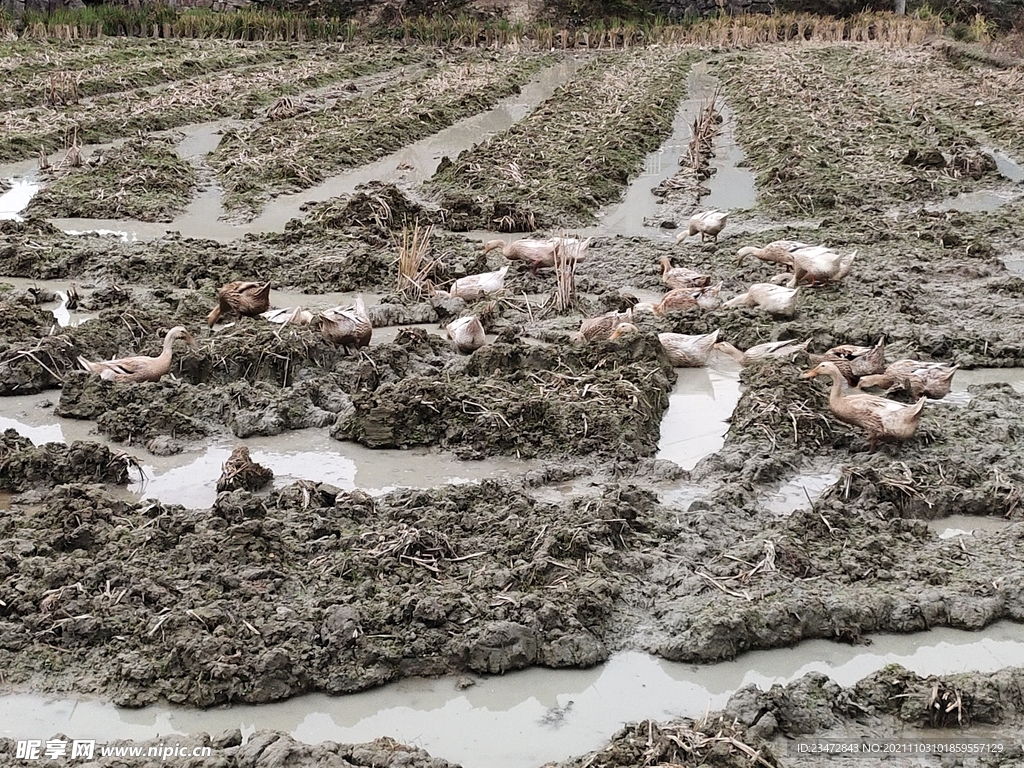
(414, 267)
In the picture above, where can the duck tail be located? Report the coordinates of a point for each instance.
(86, 365)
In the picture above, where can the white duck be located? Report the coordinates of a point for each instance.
(540, 253)
(473, 287)
(466, 333)
(776, 299)
(688, 351)
(707, 224)
(777, 349)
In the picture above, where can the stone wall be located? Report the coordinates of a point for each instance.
(675, 9)
(16, 8)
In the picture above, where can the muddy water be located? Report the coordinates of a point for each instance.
(700, 405)
(524, 719)
(63, 316)
(731, 186)
(408, 166)
(14, 200)
(190, 478)
(965, 526)
(964, 379)
(802, 491)
(982, 200)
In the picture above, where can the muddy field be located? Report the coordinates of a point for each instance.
(597, 542)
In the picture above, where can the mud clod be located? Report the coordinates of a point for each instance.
(240, 471)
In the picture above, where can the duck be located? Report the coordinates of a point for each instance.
(289, 316)
(601, 328)
(819, 265)
(855, 361)
(623, 329)
(466, 333)
(473, 287)
(777, 252)
(682, 277)
(347, 326)
(706, 224)
(540, 253)
(776, 349)
(244, 298)
(884, 420)
(778, 300)
(680, 299)
(688, 351)
(140, 368)
(932, 380)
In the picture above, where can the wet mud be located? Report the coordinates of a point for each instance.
(651, 522)
(141, 179)
(765, 727)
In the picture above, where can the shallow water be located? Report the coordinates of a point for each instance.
(700, 404)
(963, 379)
(14, 200)
(190, 478)
(524, 719)
(802, 491)
(965, 525)
(731, 186)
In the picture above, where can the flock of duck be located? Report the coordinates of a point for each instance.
(851, 368)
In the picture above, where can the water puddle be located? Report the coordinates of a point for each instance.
(408, 166)
(731, 186)
(965, 525)
(1007, 167)
(984, 200)
(14, 200)
(700, 405)
(523, 719)
(965, 379)
(978, 201)
(1014, 262)
(802, 491)
(190, 478)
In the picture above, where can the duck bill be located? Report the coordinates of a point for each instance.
(809, 374)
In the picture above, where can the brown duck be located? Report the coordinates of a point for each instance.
(347, 326)
(601, 328)
(882, 419)
(933, 380)
(245, 299)
(682, 277)
(854, 361)
(140, 367)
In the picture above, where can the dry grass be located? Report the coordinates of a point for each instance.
(827, 127)
(414, 266)
(680, 743)
(565, 278)
(208, 97)
(575, 152)
(294, 154)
